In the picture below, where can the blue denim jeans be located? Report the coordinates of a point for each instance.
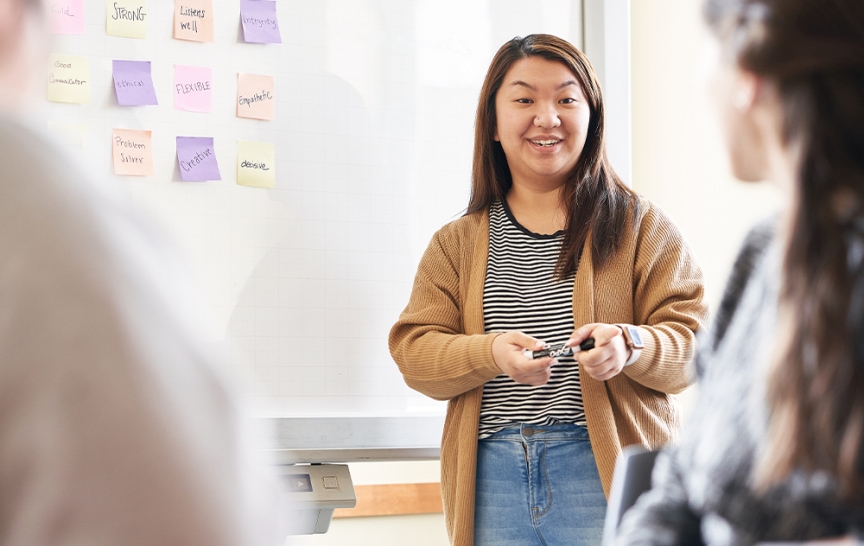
(538, 485)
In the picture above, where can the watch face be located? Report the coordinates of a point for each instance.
(633, 332)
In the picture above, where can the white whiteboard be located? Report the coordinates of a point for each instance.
(373, 137)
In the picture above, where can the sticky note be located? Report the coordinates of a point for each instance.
(193, 20)
(132, 151)
(196, 157)
(66, 17)
(256, 97)
(256, 164)
(260, 25)
(193, 88)
(73, 135)
(133, 83)
(68, 79)
(126, 18)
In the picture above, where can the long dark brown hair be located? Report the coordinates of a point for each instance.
(598, 202)
(812, 53)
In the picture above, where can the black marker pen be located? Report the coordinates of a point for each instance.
(558, 349)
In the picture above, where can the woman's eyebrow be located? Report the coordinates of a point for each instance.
(532, 88)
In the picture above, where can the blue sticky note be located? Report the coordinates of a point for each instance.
(133, 83)
(260, 25)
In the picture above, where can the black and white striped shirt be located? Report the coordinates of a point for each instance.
(521, 293)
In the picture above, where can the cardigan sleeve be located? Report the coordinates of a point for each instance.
(429, 341)
(668, 304)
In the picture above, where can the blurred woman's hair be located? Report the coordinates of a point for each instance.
(812, 53)
(598, 203)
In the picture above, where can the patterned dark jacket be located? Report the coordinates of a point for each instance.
(702, 490)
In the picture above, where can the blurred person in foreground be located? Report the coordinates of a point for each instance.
(774, 446)
(116, 425)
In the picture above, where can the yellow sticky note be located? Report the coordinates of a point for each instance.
(127, 18)
(68, 79)
(132, 151)
(73, 135)
(256, 165)
(256, 97)
(193, 20)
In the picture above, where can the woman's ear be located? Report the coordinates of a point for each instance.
(746, 90)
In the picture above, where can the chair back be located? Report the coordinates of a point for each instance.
(631, 478)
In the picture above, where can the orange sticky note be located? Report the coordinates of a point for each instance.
(193, 20)
(133, 152)
(256, 97)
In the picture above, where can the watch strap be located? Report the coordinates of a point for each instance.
(635, 349)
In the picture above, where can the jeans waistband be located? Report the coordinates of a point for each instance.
(526, 432)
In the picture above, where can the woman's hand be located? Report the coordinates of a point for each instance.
(507, 351)
(610, 352)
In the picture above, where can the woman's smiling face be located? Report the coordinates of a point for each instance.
(542, 121)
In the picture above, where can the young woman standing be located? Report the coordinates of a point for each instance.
(553, 248)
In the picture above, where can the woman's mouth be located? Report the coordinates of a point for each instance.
(545, 143)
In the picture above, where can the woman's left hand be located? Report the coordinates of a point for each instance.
(610, 352)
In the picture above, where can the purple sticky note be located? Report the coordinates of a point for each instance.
(133, 83)
(260, 25)
(196, 157)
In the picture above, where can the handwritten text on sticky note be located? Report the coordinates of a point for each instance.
(68, 79)
(193, 20)
(66, 17)
(255, 96)
(133, 83)
(196, 157)
(193, 88)
(132, 151)
(256, 164)
(260, 25)
(73, 135)
(127, 18)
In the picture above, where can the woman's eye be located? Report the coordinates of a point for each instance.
(568, 101)
(524, 101)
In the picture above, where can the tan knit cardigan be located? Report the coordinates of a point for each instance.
(442, 350)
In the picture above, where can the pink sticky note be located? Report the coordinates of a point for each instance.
(67, 17)
(193, 88)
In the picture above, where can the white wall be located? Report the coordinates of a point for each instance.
(678, 158)
(678, 162)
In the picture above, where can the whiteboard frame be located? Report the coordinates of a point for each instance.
(606, 31)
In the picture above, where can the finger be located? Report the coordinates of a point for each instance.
(536, 378)
(605, 334)
(601, 374)
(604, 370)
(581, 334)
(524, 341)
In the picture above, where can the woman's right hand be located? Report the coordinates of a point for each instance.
(507, 352)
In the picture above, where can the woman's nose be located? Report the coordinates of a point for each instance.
(547, 118)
